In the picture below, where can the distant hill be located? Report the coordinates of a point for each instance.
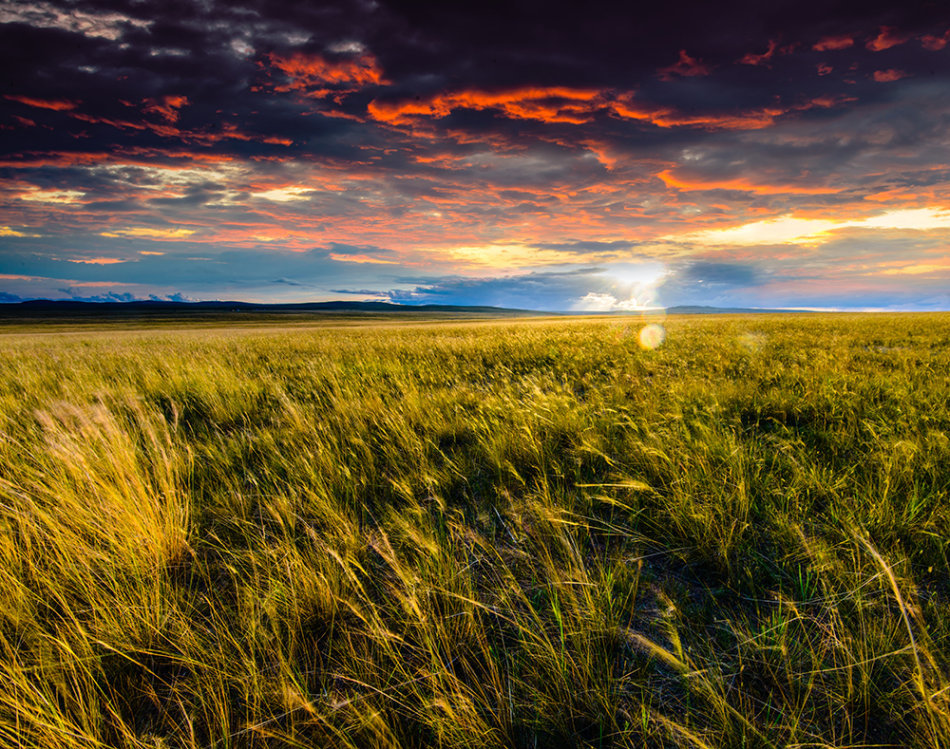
(46, 308)
(67, 309)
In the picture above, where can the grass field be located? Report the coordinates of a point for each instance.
(509, 534)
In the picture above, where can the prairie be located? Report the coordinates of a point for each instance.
(517, 533)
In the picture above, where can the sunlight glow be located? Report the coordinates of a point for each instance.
(785, 230)
(645, 274)
(97, 260)
(808, 231)
(51, 196)
(147, 232)
(508, 255)
(651, 336)
(285, 194)
(916, 219)
(632, 287)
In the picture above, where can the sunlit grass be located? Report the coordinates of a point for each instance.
(523, 533)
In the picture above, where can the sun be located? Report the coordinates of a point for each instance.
(629, 275)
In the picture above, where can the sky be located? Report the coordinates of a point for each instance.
(575, 156)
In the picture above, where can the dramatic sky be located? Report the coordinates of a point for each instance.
(599, 155)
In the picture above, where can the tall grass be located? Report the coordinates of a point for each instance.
(502, 534)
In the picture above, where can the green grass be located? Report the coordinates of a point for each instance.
(505, 534)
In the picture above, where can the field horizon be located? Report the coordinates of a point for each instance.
(370, 531)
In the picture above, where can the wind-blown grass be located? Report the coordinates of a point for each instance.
(489, 534)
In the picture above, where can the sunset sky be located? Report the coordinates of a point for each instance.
(582, 156)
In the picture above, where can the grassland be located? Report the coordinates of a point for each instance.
(519, 533)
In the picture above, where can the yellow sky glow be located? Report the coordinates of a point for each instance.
(807, 231)
(509, 255)
(97, 260)
(285, 194)
(51, 196)
(147, 232)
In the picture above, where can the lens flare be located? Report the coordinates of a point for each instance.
(651, 336)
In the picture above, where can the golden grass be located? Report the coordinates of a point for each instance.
(522, 533)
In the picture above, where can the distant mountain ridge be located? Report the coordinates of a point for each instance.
(54, 307)
(58, 308)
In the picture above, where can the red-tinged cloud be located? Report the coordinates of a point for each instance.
(752, 120)
(831, 43)
(753, 59)
(829, 101)
(887, 37)
(550, 104)
(57, 105)
(626, 107)
(686, 66)
(559, 104)
(824, 68)
(319, 77)
(887, 76)
(167, 107)
(935, 43)
(225, 131)
(130, 156)
(97, 260)
(688, 183)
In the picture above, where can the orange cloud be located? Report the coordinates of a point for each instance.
(829, 43)
(752, 120)
(754, 59)
(827, 102)
(755, 119)
(118, 124)
(97, 260)
(886, 76)
(935, 43)
(228, 131)
(57, 105)
(887, 38)
(545, 104)
(685, 66)
(320, 77)
(697, 183)
(147, 232)
(167, 107)
(559, 104)
(605, 155)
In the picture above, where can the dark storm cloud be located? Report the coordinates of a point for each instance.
(221, 62)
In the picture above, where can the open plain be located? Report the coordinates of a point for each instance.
(500, 533)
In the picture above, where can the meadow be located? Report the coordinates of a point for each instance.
(515, 533)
